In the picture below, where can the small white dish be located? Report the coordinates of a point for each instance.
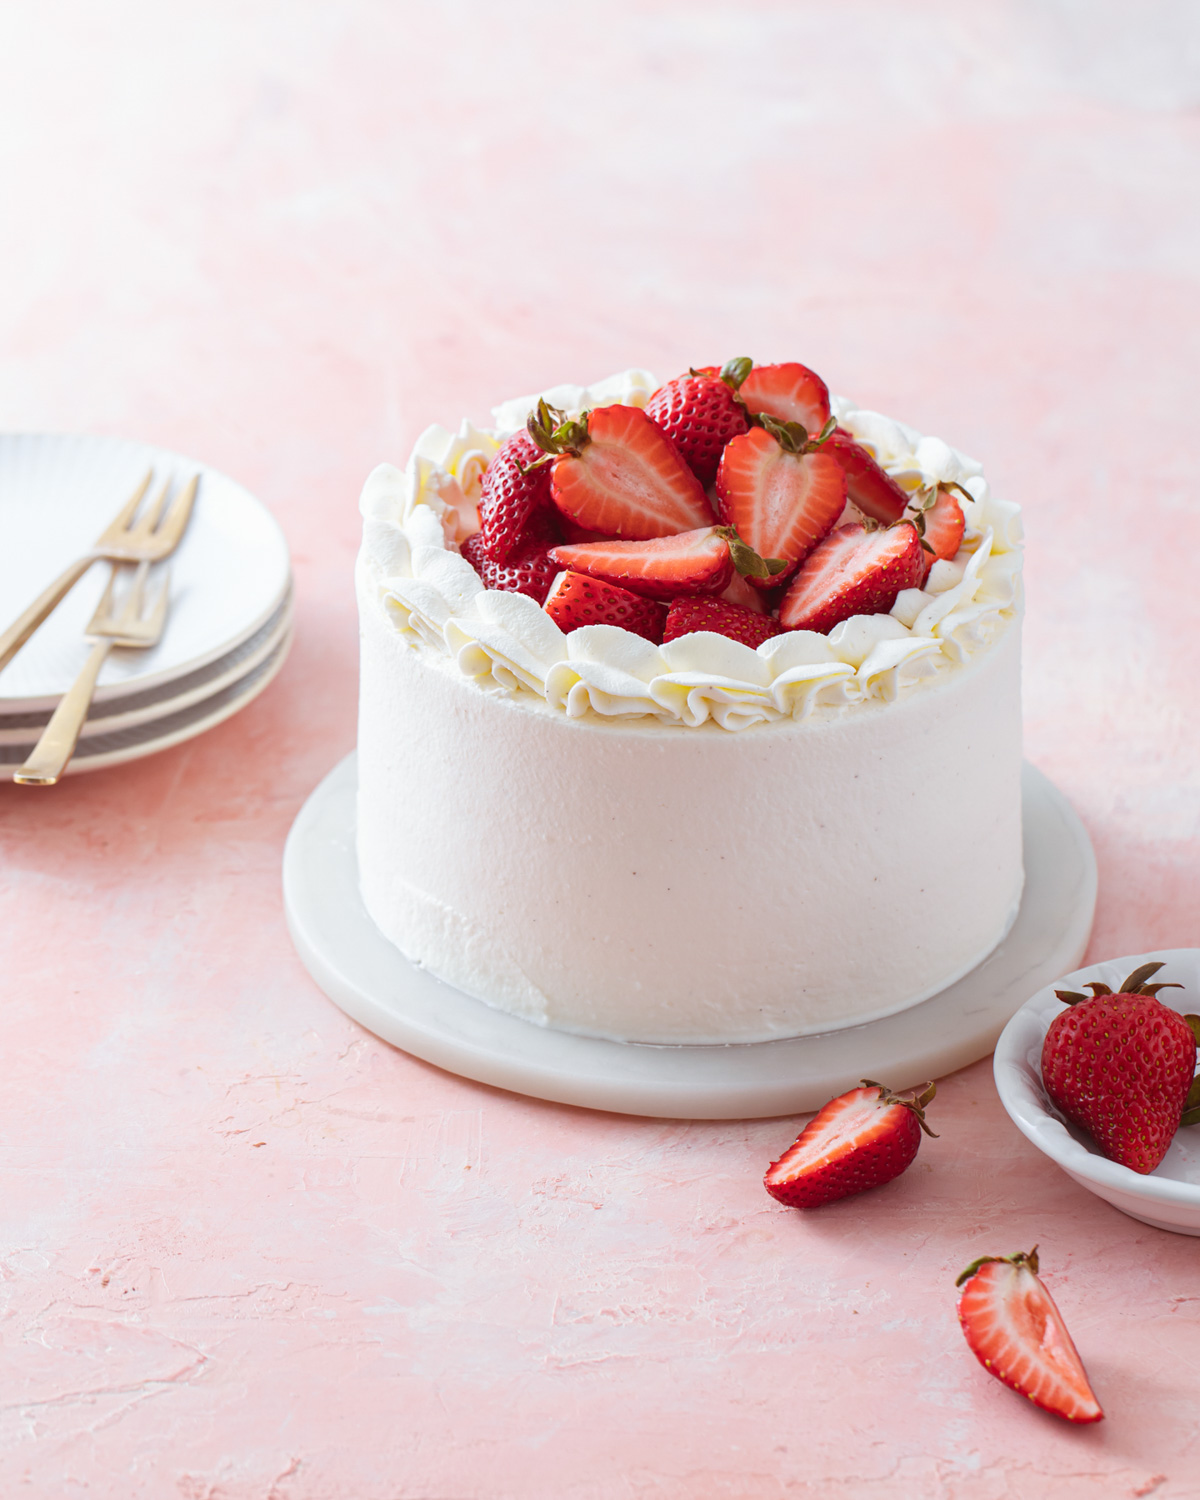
(229, 574)
(1169, 1198)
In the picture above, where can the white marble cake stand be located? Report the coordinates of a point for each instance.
(371, 980)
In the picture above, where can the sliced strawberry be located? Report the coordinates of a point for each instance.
(782, 502)
(694, 562)
(941, 523)
(859, 1140)
(1018, 1335)
(871, 488)
(516, 512)
(529, 573)
(853, 572)
(745, 625)
(576, 600)
(789, 393)
(573, 533)
(699, 413)
(618, 474)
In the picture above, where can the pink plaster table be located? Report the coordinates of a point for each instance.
(247, 1251)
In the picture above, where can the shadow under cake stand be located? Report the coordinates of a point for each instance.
(372, 981)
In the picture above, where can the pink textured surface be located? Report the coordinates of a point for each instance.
(248, 1252)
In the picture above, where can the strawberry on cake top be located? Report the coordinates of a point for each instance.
(733, 546)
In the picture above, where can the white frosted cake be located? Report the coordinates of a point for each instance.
(702, 840)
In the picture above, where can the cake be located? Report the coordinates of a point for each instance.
(748, 831)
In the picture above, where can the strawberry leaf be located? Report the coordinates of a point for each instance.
(1194, 1023)
(734, 371)
(1133, 985)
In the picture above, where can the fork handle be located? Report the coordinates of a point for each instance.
(25, 624)
(50, 755)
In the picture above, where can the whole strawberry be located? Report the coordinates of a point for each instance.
(859, 1140)
(700, 412)
(530, 572)
(516, 513)
(1122, 1066)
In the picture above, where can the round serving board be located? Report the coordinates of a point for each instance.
(374, 983)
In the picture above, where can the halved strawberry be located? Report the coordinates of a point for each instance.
(745, 625)
(741, 592)
(699, 413)
(940, 523)
(516, 512)
(694, 562)
(871, 488)
(859, 1140)
(789, 393)
(853, 572)
(618, 474)
(576, 600)
(1018, 1335)
(529, 572)
(780, 490)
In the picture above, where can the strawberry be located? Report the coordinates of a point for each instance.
(739, 591)
(780, 490)
(1018, 1335)
(692, 562)
(529, 572)
(940, 524)
(516, 512)
(859, 1140)
(1122, 1067)
(853, 572)
(871, 488)
(789, 393)
(576, 600)
(618, 474)
(699, 412)
(745, 625)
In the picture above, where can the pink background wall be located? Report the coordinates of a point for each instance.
(247, 1252)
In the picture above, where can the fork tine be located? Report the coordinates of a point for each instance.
(177, 517)
(119, 524)
(104, 610)
(144, 529)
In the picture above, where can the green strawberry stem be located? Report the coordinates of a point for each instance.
(1134, 985)
(914, 1100)
(746, 560)
(1019, 1259)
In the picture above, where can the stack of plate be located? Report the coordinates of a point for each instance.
(230, 620)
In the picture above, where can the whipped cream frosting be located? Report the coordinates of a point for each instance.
(414, 521)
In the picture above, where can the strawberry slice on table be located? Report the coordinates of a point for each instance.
(615, 472)
(940, 524)
(732, 620)
(692, 562)
(1122, 1066)
(516, 512)
(789, 393)
(529, 572)
(699, 412)
(853, 572)
(1018, 1335)
(575, 600)
(869, 485)
(859, 1140)
(781, 490)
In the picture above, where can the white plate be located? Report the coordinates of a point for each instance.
(57, 493)
(1169, 1198)
(132, 709)
(372, 981)
(117, 747)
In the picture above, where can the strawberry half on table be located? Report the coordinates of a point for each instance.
(1018, 1335)
(614, 472)
(859, 1140)
(1123, 1067)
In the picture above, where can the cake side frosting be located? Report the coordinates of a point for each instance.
(436, 602)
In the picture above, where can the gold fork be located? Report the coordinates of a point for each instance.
(130, 625)
(122, 540)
